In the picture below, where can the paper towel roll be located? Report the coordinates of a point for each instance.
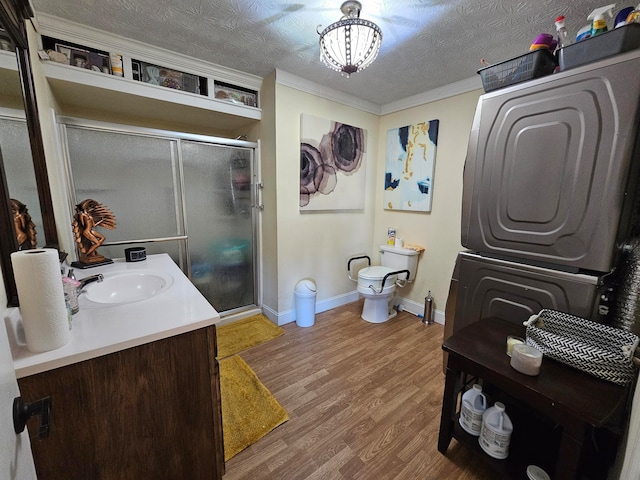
(42, 306)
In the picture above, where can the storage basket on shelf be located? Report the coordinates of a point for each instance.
(599, 350)
(525, 67)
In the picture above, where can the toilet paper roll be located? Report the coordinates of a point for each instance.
(399, 242)
(41, 296)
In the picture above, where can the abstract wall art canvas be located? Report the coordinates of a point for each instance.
(332, 165)
(411, 160)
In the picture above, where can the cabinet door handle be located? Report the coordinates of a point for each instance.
(23, 411)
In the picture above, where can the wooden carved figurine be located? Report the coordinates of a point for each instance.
(24, 227)
(89, 215)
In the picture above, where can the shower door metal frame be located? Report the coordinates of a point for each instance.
(175, 137)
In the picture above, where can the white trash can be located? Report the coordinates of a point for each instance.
(305, 295)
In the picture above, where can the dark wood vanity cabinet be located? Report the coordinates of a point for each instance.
(151, 411)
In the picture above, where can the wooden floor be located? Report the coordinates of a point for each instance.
(363, 399)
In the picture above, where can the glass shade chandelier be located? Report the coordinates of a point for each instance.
(350, 44)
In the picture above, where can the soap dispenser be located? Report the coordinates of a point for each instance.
(599, 23)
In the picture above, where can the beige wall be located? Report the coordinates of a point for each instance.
(316, 245)
(439, 230)
(265, 131)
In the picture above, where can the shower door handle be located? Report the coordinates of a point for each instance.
(258, 186)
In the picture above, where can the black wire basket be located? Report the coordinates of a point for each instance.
(520, 69)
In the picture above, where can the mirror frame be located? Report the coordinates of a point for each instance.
(13, 15)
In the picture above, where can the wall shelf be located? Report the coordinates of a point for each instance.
(77, 90)
(85, 89)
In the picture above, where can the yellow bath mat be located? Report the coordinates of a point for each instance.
(238, 336)
(249, 410)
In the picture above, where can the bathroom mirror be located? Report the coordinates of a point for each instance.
(13, 15)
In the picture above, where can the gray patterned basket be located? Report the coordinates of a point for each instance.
(599, 350)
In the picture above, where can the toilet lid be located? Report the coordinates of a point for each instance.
(375, 273)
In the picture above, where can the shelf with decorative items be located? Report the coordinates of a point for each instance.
(168, 77)
(80, 56)
(91, 69)
(235, 94)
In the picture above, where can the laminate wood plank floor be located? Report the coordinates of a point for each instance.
(363, 399)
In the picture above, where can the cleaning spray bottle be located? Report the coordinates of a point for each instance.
(599, 23)
(564, 40)
(583, 33)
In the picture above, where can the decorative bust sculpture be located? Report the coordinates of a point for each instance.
(90, 215)
(24, 227)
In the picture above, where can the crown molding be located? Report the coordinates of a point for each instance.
(56, 27)
(456, 88)
(307, 86)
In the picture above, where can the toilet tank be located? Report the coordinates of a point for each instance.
(400, 258)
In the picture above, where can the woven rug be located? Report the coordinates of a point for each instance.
(249, 410)
(238, 336)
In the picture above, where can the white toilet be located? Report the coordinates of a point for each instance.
(377, 284)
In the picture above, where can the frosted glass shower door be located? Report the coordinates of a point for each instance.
(219, 218)
(136, 177)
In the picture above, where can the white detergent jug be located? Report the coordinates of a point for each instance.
(495, 434)
(474, 403)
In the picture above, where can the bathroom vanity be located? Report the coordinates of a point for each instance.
(135, 393)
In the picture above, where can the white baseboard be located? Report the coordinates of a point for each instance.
(288, 316)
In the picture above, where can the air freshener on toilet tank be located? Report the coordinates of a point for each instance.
(391, 236)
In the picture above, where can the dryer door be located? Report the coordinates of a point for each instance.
(551, 171)
(513, 292)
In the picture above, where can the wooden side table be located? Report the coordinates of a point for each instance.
(571, 399)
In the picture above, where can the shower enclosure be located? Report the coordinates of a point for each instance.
(191, 196)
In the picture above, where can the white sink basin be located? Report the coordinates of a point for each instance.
(128, 287)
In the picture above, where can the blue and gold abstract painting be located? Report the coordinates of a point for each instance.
(332, 165)
(411, 160)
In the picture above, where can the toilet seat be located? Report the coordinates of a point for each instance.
(379, 284)
(373, 277)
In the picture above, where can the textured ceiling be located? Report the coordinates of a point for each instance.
(426, 43)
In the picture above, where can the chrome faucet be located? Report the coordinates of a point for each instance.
(87, 280)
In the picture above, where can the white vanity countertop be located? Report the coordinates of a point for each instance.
(100, 330)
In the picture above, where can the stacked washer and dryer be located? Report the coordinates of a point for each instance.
(550, 198)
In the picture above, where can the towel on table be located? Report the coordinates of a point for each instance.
(412, 246)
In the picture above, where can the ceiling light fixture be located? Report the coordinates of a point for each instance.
(350, 44)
